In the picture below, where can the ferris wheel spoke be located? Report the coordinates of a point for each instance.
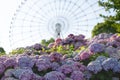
(73, 11)
(83, 10)
(39, 19)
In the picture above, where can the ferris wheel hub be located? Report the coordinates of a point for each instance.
(58, 25)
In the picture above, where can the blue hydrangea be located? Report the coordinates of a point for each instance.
(109, 63)
(54, 75)
(96, 47)
(101, 59)
(94, 67)
(117, 68)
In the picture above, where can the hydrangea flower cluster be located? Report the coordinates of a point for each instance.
(56, 66)
(103, 63)
(75, 40)
(108, 44)
(40, 67)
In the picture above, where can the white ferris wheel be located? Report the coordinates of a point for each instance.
(35, 20)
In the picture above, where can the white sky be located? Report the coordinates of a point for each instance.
(7, 9)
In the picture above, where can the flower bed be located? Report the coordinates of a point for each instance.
(98, 60)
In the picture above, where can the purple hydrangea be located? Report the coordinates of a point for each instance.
(76, 66)
(55, 65)
(37, 77)
(109, 63)
(25, 61)
(9, 78)
(10, 62)
(54, 75)
(43, 64)
(44, 57)
(2, 68)
(94, 67)
(68, 61)
(66, 69)
(37, 46)
(112, 52)
(96, 47)
(3, 58)
(77, 45)
(55, 56)
(77, 75)
(26, 75)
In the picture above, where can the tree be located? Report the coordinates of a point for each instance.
(106, 27)
(47, 42)
(2, 51)
(111, 23)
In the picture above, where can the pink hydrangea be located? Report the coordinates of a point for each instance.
(55, 56)
(84, 55)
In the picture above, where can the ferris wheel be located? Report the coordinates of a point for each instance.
(35, 20)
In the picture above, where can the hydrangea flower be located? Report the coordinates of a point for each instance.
(43, 64)
(84, 55)
(110, 50)
(44, 57)
(37, 46)
(25, 61)
(9, 78)
(54, 75)
(96, 47)
(87, 75)
(37, 77)
(8, 73)
(10, 62)
(22, 72)
(101, 59)
(55, 66)
(109, 63)
(77, 75)
(94, 67)
(55, 56)
(3, 58)
(66, 69)
(2, 68)
(116, 68)
(26, 75)
(76, 66)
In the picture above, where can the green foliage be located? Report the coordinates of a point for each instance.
(2, 51)
(17, 51)
(111, 5)
(111, 22)
(68, 49)
(47, 42)
(106, 27)
(103, 75)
